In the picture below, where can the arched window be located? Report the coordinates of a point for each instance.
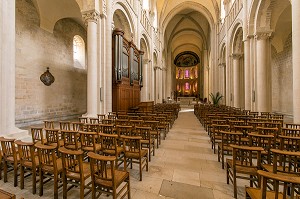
(187, 74)
(79, 52)
(187, 86)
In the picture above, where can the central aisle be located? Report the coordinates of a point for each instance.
(185, 157)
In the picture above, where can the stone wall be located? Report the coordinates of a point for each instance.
(37, 49)
(282, 79)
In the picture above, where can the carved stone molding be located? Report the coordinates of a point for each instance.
(236, 55)
(263, 35)
(90, 16)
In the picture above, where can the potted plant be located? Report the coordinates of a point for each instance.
(216, 98)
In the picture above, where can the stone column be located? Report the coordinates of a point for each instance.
(236, 80)
(91, 19)
(296, 59)
(247, 74)
(145, 89)
(7, 68)
(263, 94)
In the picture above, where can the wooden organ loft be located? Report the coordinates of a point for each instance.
(127, 73)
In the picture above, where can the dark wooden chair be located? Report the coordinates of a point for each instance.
(11, 158)
(71, 139)
(147, 140)
(50, 166)
(106, 178)
(37, 134)
(28, 162)
(134, 153)
(75, 171)
(289, 184)
(245, 163)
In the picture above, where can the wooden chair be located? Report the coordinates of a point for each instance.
(94, 120)
(53, 137)
(28, 162)
(124, 122)
(77, 126)
(71, 139)
(264, 141)
(295, 132)
(101, 117)
(106, 178)
(285, 162)
(147, 141)
(37, 134)
(50, 166)
(215, 135)
(124, 130)
(245, 162)
(88, 142)
(83, 120)
(107, 128)
(289, 143)
(109, 146)
(134, 153)
(108, 121)
(75, 171)
(224, 148)
(155, 133)
(163, 125)
(292, 125)
(262, 192)
(10, 157)
(48, 124)
(65, 125)
(93, 128)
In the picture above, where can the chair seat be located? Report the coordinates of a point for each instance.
(113, 152)
(256, 193)
(28, 164)
(11, 158)
(147, 141)
(90, 148)
(136, 155)
(50, 169)
(120, 176)
(242, 169)
(225, 147)
(73, 146)
(76, 175)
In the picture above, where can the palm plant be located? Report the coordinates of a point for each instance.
(216, 98)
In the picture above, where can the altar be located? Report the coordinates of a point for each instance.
(186, 100)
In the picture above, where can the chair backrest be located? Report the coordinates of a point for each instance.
(101, 117)
(132, 144)
(93, 128)
(72, 161)
(136, 122)
(124, 130)
(289, 143)
(26, 152)
(107, 121)
(83, 120)
(268, 131)
(52, 136)
(107, 128)
(286, 161)
(47, 157)
(49, 124)
(94, 120)
(108, 141)
(143, 132)
(122, 122)
(267, 142)
(102, 169)
(77, 126)
(71, 139)
(88, 139)
(8, 148)
(65, 125)
(295, 132)
(246, 156)
(152, 123)
(289, 183)
(292, 125)
(229, 138)
(37, 134)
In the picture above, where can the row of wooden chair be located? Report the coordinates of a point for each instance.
(274, 149)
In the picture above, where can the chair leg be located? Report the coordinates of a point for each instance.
(65, 186)
(227, 173)
(56, 186)
(82, 189)
(15, 175)
(41, 181)
(22, 177)
(140, 164)
(128, 187)
(93, 190)
(234, 185)
(5, 171)
(34, 180)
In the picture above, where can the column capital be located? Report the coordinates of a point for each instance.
(236, 55)
(90, 16)
(263, 35)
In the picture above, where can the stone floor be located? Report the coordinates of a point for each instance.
(184, 167)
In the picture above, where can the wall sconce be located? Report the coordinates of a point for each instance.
(47, 78)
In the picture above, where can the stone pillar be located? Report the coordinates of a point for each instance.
(206, 74)
(91, 19)
(252, 70)
(7, 68)
(263, 94)
(236, 80)
(247, 74)
(296, 59)
(145, 89)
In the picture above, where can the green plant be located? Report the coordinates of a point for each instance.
(216, 98)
